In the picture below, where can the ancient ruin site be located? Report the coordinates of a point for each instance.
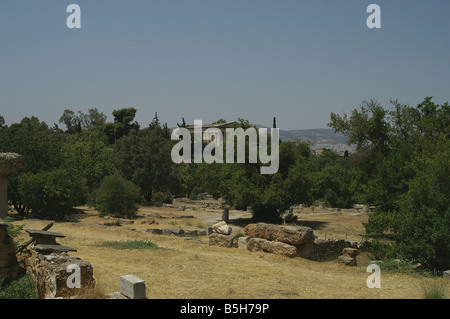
(205, 251)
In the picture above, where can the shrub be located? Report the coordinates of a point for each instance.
(196, 193)
(50, 194)
(434, 290)
(116, 196)
(20, 288)
(163, 197)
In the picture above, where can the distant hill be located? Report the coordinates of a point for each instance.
(319, 137)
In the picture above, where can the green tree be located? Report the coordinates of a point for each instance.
(86, 156)
(270, 196)
(405, 174)
(144, 157)
(116, 196)
(422, 221)
(40, 149)
(75, 123)
(123, 124)
(49, 194)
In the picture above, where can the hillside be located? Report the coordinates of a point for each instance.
(319, 137)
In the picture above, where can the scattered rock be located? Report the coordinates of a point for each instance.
(274, 247)
(222, 228)
(417, 267)
(294, 235)
(348, 256)
(350, 252)
(154, 231)
(195, 232)
(173, 231)
(243, 241)
(149, 221)
(222, 240)
(290, 218)
(346, 260)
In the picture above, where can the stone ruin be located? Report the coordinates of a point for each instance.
(51, 265)
(290, 241)
(9, 267)
(9, 163)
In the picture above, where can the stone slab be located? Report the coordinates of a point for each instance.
(132, 287)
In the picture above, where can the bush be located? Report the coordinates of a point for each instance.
(50, 194)
(20, 288)
(196, 194)
(162, 197)
(116, 196)
(434, 290)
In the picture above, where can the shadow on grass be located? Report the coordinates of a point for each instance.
(314, 224)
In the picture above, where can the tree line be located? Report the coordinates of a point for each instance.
(401, 166)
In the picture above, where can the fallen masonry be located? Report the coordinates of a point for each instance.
(55, 272)
(131, 287)
(348, 256)
(290, 241)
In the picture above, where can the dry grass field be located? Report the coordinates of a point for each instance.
(193, 269)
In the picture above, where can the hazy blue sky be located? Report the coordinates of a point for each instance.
(210, 59)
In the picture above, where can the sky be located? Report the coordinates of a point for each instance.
(206, 60)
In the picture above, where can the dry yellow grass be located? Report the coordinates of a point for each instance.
(189, 269)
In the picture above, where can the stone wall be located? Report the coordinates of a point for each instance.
(290, 241)
(51, 273)
(9, 267)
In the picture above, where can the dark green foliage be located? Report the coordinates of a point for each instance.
(163, 197)
(50, 194)
(270, 196)
(76, 123)
(40, 149)
(116, 196)
(402, 166)
(20, 288)
(122, 125)
(88, 158)
(144, 157)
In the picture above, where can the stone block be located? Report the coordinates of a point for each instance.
(346, 260)
(132, 287)
(274, 247)
(173, 231)
(294, 235)
(243, 241)
(217, 239)
(350, 252)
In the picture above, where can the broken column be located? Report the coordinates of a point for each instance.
(9, 163)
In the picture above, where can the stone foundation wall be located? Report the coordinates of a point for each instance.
(51, 273)
(290, 241)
